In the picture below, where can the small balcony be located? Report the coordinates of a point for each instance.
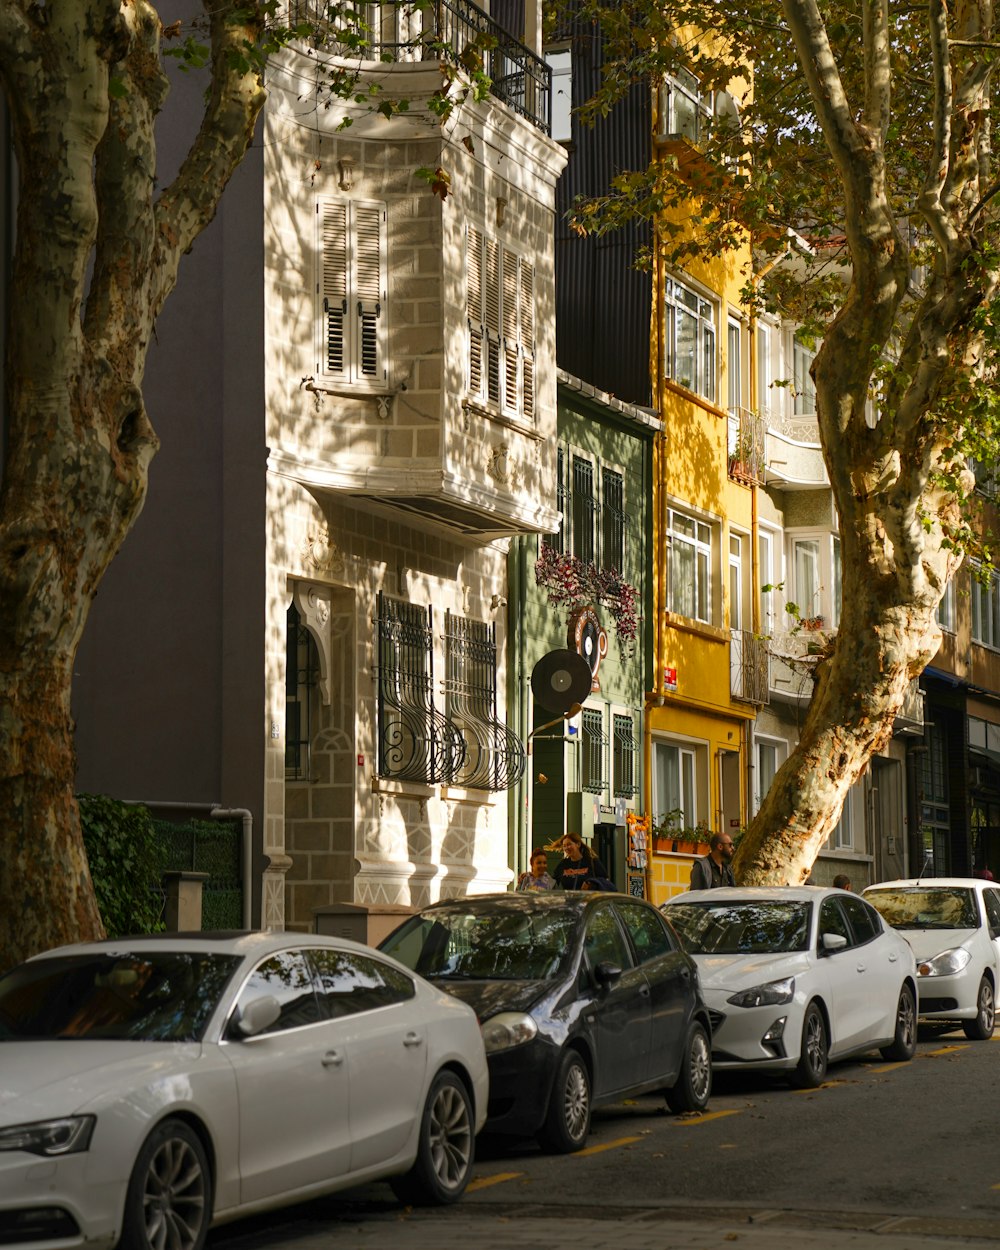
(747, 434)
(748, 667)
(455, 31)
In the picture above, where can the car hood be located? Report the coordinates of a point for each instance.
(927, 943)
(737, 972)
(41, 1079)
(488, 998)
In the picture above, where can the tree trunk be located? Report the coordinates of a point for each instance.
(95, 258)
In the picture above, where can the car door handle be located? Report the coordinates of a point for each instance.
(412, 1039)
(893, 957)
(862, 968)
(332, 1059)
(644, 992)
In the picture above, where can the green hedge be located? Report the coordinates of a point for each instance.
(127, 859)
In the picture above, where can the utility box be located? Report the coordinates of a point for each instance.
(367, 923)
(580, 813)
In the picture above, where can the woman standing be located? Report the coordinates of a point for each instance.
(538, 877)
(580, 869)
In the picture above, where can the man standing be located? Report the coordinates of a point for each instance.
(713, 869)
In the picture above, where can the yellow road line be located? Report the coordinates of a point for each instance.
(608, 1145)
(498, 1178)
(888, 1067)
(686, 1121)
(944, 1050)
(825, 1085)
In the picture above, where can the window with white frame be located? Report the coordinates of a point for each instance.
(500, 306)
(560, 61)
(675, 784)
(842, 836)
(690, 351)
(946, 609)
(765, 400)
(770, 575)
(734, 367)
(984, 598)
(769, 755)
(808, 583)
(351, 287)
(803, 387)
(838, 585)
(689, 566)
(593, 752)
(736, 581)
(685, 108)
(584, 508)
(614, 522)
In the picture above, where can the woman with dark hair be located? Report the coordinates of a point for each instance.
(580, 869)
(537, 878)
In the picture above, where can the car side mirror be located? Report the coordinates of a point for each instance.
(831, 942)
(607, 973)
(257, 1016)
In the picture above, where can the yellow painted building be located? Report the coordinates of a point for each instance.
(710, 665)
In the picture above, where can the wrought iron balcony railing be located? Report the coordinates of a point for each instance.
(456, 31)
(748, 667)
(747, 435)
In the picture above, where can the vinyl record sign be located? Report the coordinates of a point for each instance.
(560, 679)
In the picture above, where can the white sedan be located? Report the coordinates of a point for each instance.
(953, 925)
(795, 977)
(152, 1086)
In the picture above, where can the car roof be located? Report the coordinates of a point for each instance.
(528, 900)
(932, 883)
(758, 893)
(219, 941)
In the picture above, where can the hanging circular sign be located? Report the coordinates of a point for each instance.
(587, 637)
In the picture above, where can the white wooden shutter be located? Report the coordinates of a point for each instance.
(474, 310)
(510, 332)
(369, 290)
(491, 318)
(333, 287)
(526, 310)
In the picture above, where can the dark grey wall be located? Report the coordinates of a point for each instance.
(169, 689)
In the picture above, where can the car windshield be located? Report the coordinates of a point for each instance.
(926, 907)
(481, 945)
(741, 928)
(152, 996)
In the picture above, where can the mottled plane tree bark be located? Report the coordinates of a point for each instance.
(868, 129)
(96, 254)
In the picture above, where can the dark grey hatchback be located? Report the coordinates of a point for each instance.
(583, 998)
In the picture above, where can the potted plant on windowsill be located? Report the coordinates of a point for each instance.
(671, 837)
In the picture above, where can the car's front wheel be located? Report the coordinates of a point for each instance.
(567, 1121)
(168, 1205)
(694, 1084)
(447, 1146)
(813, 1056)
(981, 1028)
(904, 1043)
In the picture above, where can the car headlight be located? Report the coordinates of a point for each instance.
(50, 1137)
(945, 964)
(509, 1028)
(769, 995)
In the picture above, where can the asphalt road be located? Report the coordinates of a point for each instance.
(898, 1155)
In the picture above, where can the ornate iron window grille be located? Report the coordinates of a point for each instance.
(415, 742)
(301, 684)
(624, 757)
(584, 509)
(614, 522)
(593, 744)
(494, 757)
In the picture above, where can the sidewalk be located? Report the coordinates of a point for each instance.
(643, 1229)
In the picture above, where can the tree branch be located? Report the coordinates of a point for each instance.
(878, 73)
(235, 98)
(929, 201)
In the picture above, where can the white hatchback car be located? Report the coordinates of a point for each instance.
(953, 925)
(152, 1086)
(794, 977)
